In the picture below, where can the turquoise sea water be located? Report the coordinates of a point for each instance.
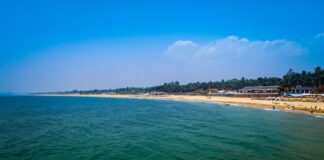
(58, 128)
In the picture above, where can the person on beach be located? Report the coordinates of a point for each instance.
(311, 111)
(273, 107)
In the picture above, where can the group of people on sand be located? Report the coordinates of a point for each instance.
(292, 107)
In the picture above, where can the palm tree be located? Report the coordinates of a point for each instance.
(317, 78)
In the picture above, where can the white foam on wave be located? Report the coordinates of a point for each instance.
(319, 116)
(268, 109)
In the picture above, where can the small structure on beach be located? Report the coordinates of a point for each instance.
(300, 90)
(156, 93)
(216, 91)
(260, 90)
(212, 91)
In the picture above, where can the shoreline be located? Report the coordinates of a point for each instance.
(300, 107)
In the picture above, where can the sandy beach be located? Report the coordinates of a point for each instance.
(304, 107)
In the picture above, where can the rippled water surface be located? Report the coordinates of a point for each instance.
(57, 128)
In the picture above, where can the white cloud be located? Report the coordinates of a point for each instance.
(233, 46)
(319, 35)
(182, 49)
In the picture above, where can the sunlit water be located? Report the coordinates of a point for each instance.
(105, 128)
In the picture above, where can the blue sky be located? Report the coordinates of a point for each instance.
(64, 45)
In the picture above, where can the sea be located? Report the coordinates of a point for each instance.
(90, 128)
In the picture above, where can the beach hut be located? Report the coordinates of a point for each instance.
(212, 91)
(300, 90)
(260, 90)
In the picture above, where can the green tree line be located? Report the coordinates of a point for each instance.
(314, 79)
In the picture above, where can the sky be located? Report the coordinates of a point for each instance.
(64, 45)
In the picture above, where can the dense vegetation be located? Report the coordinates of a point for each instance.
(292, 79)
(311, 79)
